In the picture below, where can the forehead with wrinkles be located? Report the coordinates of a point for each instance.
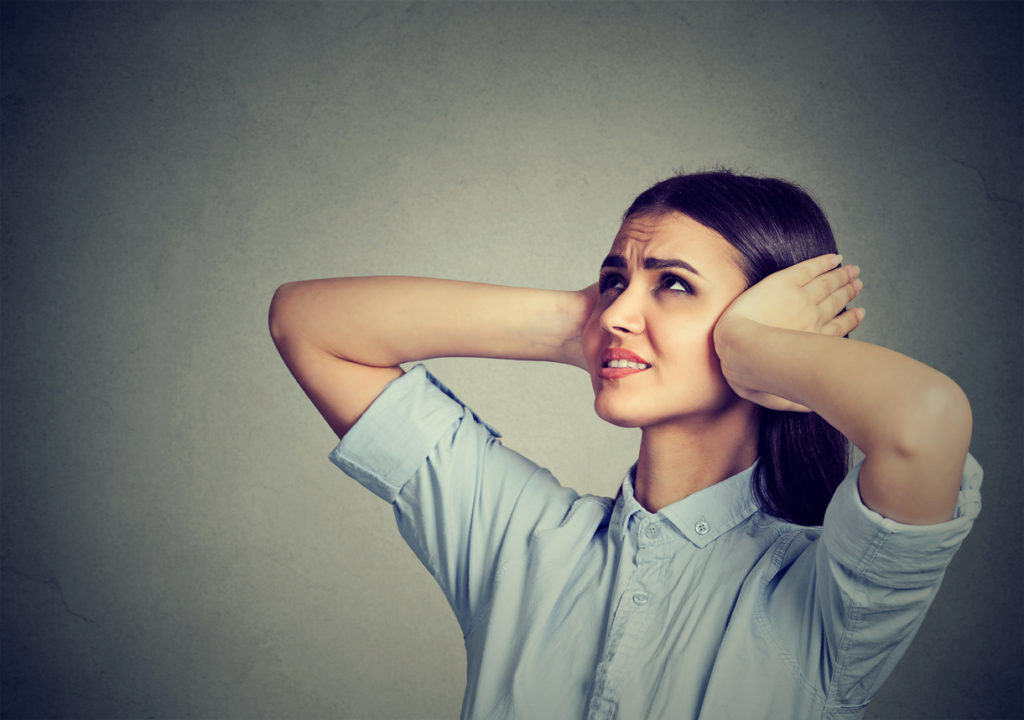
(647, 234)
(676, 241)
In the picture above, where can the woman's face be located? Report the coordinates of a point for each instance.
(648, 342)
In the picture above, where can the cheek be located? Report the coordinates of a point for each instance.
(689, 346)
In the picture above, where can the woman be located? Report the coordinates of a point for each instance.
(737, 574)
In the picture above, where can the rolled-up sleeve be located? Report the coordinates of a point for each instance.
(845, 600)
(390, 441)
(876, 578)
(898, 555)
(461, 499)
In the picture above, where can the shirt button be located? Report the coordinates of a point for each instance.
(702, 527)
(653, 531)
(639, 598)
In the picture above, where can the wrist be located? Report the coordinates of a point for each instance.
(732, 335)
(752, 356)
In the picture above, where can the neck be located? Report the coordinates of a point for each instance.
(680, 457)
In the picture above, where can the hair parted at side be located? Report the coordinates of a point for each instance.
(772, 224)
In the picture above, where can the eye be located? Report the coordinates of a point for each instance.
(611, 281)
(675, 283)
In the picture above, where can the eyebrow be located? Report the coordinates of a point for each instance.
(651, 263)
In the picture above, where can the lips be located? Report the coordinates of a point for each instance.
(619, 362)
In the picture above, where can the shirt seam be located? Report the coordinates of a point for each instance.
(855, 615)
(432, 563)
(475, 619)
(778, 554)
(395, 491)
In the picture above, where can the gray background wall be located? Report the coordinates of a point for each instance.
(175, 542)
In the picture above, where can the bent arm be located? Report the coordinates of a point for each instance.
(344, 338)
(912, 422)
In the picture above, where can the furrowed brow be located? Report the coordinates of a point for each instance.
(615, 261)
(663, 263)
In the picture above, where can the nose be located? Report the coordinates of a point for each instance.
(624, 316)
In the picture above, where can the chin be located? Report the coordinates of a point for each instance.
(631, 412)
(617, 416)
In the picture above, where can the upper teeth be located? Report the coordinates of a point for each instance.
(627, 364)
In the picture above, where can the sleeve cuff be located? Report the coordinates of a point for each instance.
(395, 434)
(891, 552)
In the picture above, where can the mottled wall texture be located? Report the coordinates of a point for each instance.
(176, 543)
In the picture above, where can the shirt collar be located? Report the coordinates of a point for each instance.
(701, 517)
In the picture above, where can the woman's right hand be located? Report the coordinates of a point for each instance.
(578, 313)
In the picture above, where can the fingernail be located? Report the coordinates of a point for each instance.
(839, 259)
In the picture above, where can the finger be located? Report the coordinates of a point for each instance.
(844, 323)
(807, 270)
(834, 303)
(827, 283)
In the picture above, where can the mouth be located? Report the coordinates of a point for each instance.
(619, 362)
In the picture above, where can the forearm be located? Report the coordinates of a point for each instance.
(878, 398)
(910, 420)
(384, 321)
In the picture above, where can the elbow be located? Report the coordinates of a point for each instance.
(937, 421)
(914, 476)
(281, 315)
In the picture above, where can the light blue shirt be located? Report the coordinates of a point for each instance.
(586, 607)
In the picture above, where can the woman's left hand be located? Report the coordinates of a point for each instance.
(807, 297)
